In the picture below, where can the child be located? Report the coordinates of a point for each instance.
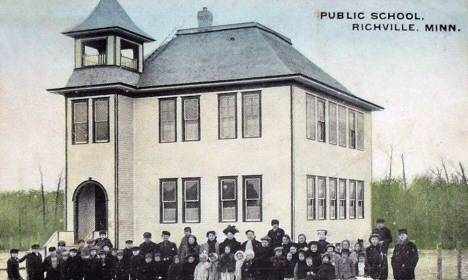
(263, 255)
(213, 273)
(91, 265)
(103, 240)
(61, 247)
(75, 265)
(249, 269)
(202, 268)
(227, 264)
(356, 252)
(239, 256)
(105, 267)
(344, 266)
(120, 267)
(136, 261)
(327, 270)
(63, 264)
(375, 258)
(287, 243)
(173, 273)
(293, 251)
(289, 269)
(360, 266)
(81, 248)
(13, 266)
(160, 268)
(51, 265)
(315, 254)
(309, 270)
(334, 257)
(301, 266)
(188, 268)
(302, 242)
(278, 264)
(147, 268)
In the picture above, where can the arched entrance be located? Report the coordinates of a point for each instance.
(90, 208)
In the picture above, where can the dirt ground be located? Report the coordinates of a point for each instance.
(426, 269)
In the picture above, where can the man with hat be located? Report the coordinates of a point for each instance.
(34, 264)
(51, 265)
(251, 243)
(13, 269)
(103, 240)
(75, 265)
(61, 247)
(405, 257)
(376, 261)
(168, 250)
(127, 254)
(148, 246)
(322, 242)
(385, 234)
(276, 234)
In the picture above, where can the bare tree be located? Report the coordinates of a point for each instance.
(390, 162)
(445, 170)
(462, 169)
(437, 172)
(404, 173)
(57, 194)
(43, 198)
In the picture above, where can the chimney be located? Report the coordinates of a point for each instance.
(205, 18)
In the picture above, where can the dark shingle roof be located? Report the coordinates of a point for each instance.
(92, 76)
(109, 15)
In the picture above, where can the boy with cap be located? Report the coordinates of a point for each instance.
(376, 259)
(184, 241)
(168, 250)
(13, 269)
(91, 264)
(405, 257)
(147, 268)
(120, 267)
(276, 234)
(75, 265)
(159, 267)
(34, 264)
(103, 240)
(61, 247)
(135, 263)
(278, 264)
(322, 242)
(63, 264)
(127, 251)
(385, 236)
(105, 267)
(148, 246)
(51, 265)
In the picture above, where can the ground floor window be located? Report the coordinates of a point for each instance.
(252, 198)
(168, 200)
(228, 199)
(191, 195)
(311, 203)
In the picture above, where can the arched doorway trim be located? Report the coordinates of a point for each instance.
(85, 183)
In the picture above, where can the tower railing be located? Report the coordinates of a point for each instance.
(92, 60)
(128, 62)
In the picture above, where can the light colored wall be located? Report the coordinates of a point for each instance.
(323, 159)
(209, 158)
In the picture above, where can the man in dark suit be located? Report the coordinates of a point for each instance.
(251, 242)
(34, 264)
(405, 257)
(168, 250)
(276, 234)
(384, 233)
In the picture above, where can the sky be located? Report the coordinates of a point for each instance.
(420, 78)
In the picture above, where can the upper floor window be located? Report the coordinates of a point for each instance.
(251, 114)
(252, 198)
(168, 201)
(310, 117)
(321, 120)
(191, 118)
(101, 119)
(80, 121)
(167, 120)
(311, 202)
(342, 126)
(228, 199)
(227, 116)
(352, 129)
(191, 195)
(94, 52)
(333, 124)
(360, 131)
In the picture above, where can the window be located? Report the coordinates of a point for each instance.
(310, 117)
(191, 118)
(360, 199)
(227, 116)
(80, 122)
(352, 199)
(251, 112)
(191, 195)
(352, 129)
(228, 199)
(333, 196)
(321, 120)
(311, 215)
(168, 201)
(333, 125)
(342, 126)
(322, 192)
(129, 53)
(342, 194)
(94, 52)
(101, 120)
(252, 198)
(167, 120)
(360, 132)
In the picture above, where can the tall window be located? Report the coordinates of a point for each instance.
(322, 197)
(360, 132)
(342, 194)
(191, 195)
(333, 197)
(167, 120)
(342, 126)
(80, 122)
(321, 120)
(352, 129)
(101, 119)
(311, 215)
(251, 114)
(352, 199)
(310, 117)
(227, 116)
(191, 118)
(360, 199)
(228, 199)
(168, 201)
(252, 198)
(333, 123)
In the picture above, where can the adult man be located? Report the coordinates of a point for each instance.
(322, 242)
(148, 246)
(168, 250)
(405, 257)
(51, 265)
(34, 264)
(384, 233)
(276, 234)
(251, 243)
(61, 247)
(103, 240)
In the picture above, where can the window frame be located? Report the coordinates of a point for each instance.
(333, 201)
(73, 128)
(360, 131)
(244, 122)
(342, 139)
(245, 200)
(162, 202)
(221, 201)
(352, 139)
(185, 201)
(311, 118)
(352, 201)
(161, 100)
(323, 136)
(322, 202)
(360, 202)
(220, 96)
(311, 200)
(342, 205)
(184, 121)
(331, 130)
(95, 100)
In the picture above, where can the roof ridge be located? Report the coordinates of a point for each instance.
(273, 51)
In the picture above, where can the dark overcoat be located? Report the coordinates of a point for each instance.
(404, 260)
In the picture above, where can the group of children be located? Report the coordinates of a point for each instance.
(274, 257)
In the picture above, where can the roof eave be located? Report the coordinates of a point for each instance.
(117, 29)
(78, 89)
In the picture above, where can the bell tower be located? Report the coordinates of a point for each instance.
(108, 37)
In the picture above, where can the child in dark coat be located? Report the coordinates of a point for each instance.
(173, 273)
(360, 266)
(63, 265)
(309, 269)
(301, 266)
(289, 269)
(75, 266)
(136, 262)
(51, 265)
(188, 268)
(147, 268)
(278, 264)
(120, 267)
(13, 266)
(105, 267)
(263, 255)
(227, 265)
(249, 269)
(345, 266)
(160, 268)
(91, 265)
(316, 255)
(327, 270)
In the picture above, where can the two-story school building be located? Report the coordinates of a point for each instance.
(225, 124)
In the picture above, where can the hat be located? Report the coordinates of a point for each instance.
(374, 235)
(52, 249)
(331, 246)
(213, 255)
(129, 242)
(401, 231)
(326, 255)
(91, 241)
(249, 252)
(65, 253)
(380, 220)
(230, 229)
(81, 241)
(345, 251)
(157, 255)
(189, 255)
(73, 250)
(266, 238)
(147, 235)
(287, 236)
(322, 230)
(274, 222)
(61, 243)
(14, 251)
(165, 232)
(148, 255)
(102, 232)
(136, 248)
(94, 248)
(203, 255)
(102, 253)
(278, 249)
(176, 257)
(35, 246)
(249, 230)
(188, 229)
(120, 253)
(211, 232)
(113, 250)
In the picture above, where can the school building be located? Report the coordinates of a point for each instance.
(222, 124)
